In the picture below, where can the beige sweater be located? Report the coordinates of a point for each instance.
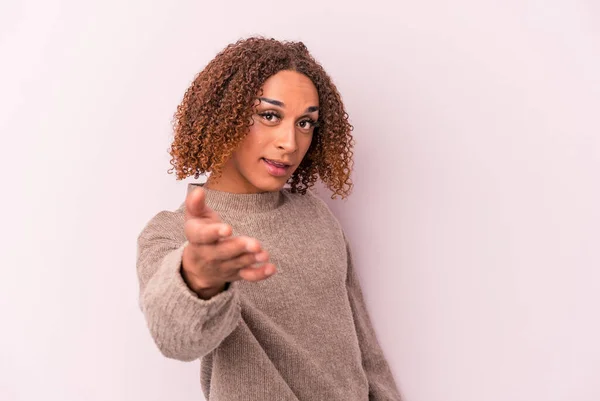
(302, 334)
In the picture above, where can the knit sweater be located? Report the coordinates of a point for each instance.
(302, 334)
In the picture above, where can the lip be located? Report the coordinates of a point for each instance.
(285, 164)
(275, 170)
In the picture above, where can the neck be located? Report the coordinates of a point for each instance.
(234, 185)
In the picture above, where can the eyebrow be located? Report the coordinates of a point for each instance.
(278, 103)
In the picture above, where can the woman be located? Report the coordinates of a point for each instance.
(250, 275)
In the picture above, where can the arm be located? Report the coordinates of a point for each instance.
(183, 326)
(381, 382)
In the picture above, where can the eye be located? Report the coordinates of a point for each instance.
(269, 116)
(307, 123)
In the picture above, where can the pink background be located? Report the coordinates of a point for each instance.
(475, 217)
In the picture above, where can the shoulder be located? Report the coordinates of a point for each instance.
(312, 203)
(165, 224)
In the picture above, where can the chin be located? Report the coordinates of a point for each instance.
(270, 184)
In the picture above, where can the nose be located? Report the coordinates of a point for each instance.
(286, 138)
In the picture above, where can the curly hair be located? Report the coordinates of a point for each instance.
(216, 113)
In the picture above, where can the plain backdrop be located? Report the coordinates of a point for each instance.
(474, 221)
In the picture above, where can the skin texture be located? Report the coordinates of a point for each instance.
(218, 111)
(282, 130)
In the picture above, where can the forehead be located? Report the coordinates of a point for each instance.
(291, 88)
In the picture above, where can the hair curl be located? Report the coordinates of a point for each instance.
(215, 114)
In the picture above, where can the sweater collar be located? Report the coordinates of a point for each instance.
(245, 203)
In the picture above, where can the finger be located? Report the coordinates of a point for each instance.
(199, 232)
(257, 274)
(194, 203)
(231, 247)
(245, 260)
(196, 207)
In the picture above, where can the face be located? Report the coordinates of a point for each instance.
(278, 139)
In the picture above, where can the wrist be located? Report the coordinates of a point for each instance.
(202, 290)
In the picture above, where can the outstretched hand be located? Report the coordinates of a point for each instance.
(213, 257)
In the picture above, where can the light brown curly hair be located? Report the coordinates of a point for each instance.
(216, 113)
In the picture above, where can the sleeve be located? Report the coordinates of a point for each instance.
(183, 326)
(382, 386)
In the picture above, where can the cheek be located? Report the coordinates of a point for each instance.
(305, 142)
(252, 145)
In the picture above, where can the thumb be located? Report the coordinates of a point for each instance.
(195, 205)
